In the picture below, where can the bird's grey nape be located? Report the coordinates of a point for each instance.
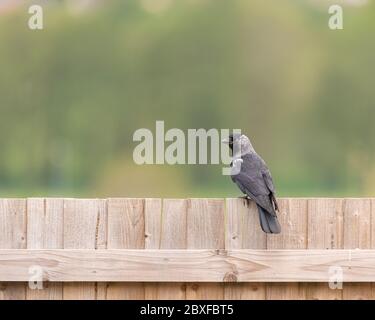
(242, 146)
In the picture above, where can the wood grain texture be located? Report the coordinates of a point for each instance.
(101, 242)
(12, 236)
(196, 224)
(153, 223)
(166, 229)
(293, 220)
(126, 230)
(204, 265)
(83, 221)
(372, 206)
(325, 231)
(357, 235)
(12, 224)
(205, 229)
(45, 231)
(242, 231)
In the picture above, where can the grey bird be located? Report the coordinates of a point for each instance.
(251, 174)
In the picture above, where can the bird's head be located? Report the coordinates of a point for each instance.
(240, 142)
(232, 139)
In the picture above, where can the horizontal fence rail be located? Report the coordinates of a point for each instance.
(188, 265)
(125, 248)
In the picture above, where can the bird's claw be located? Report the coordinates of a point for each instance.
(247, 199)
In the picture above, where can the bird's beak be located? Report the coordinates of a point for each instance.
(226, 141)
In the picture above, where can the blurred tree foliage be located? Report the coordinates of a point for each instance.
(72, 95)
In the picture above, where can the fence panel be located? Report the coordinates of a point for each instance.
(226, 225)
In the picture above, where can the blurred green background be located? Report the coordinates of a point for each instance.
(72, 95)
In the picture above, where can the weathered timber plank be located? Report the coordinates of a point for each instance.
(165, 229)
(357, 234)
(372, 205)
(243, 232)
(325, 231)
(12, 236)
(205, 230)
(126, 230)
(293, 220)
(45, 231)
(187, 265)
(82, 230)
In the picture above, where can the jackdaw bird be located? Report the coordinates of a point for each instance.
(252, 176)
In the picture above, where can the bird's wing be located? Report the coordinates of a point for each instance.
(268, 179)
(269, 182)
(251, 181)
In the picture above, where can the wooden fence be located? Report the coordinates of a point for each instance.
(185, 249)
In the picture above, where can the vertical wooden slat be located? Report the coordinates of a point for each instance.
(357, 234)
(83, 221)
(45, 231)
(126, 230)
(12, 236)
(372, 205)
(243, 232)
(325, 231)
(165, 230)
(293, 220)
(153, 223)
(101, 242)
(153, 230)
(205, 230)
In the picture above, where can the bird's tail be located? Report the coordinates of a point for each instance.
(268, 222)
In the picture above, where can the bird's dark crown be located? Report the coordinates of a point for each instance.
(234, 137)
